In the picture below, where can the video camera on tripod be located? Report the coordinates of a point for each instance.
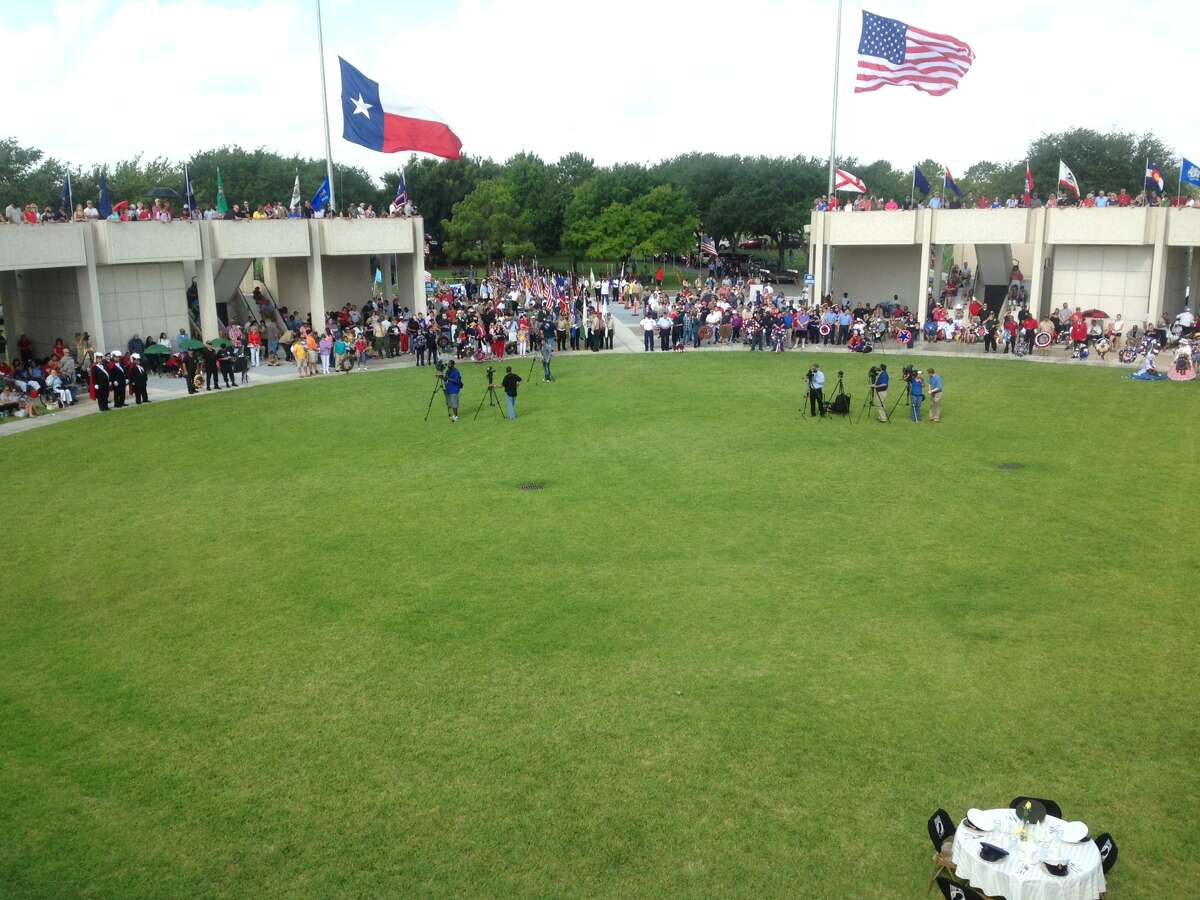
(909, 373)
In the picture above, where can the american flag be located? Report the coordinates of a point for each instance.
(891, 52)
(708, 245)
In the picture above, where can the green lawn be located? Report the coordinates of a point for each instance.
(308, 645)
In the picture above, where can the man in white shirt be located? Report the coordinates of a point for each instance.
(13, 214)
(816, 391)
(648, 333)
(664, 330)
(1186, 319)
(90, 213)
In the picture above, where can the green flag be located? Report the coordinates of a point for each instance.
(222, 203)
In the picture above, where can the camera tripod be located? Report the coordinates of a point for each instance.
(871, 406)
(904, 398)
(839, 391)
(806, 404)
(489, 394)
(437, 386)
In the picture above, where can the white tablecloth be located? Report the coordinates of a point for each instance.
(1021, 875)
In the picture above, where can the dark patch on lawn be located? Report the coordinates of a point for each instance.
(531, 486)
(1010, 466)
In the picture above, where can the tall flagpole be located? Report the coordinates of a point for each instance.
(837, 61)
(332, 205)
(912, 191)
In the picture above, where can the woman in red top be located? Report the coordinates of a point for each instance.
(254, 340)
(1079, 334)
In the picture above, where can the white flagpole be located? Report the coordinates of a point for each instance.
(837, 60)
(912, 191)
(332, 204)
(71, 195)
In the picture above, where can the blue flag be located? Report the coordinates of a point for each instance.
(64, 196)
(920, 180)
(950, 185)
(321, 197)
(401, 194)
(105, 207)
(1189, 172)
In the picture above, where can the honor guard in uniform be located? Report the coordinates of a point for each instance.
(191, 367)
(100, 383)
(116, 377)
(137, 380)
(211, 381)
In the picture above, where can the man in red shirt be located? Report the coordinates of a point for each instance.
(1029, 327)
(974, 309)
(1123, 198)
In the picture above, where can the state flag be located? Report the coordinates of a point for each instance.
(378, 119)
(919, 179)
(1066, 178)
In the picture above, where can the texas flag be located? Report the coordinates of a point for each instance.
(380, 120)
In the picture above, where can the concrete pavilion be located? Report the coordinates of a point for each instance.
(117, 279)
(1132, 261)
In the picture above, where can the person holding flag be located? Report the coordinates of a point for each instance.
(400, 203)
(295, 204)
(1028, 185)
(1066, 179)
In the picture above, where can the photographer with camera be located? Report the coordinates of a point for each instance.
(452, 385)
(917, 387)
(880, 386)
(816, 390)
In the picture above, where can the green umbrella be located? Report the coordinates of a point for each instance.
(192, 344)
(221, 342)
(157, 350)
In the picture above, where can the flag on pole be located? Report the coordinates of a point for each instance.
(321, 197)
(950, 185)
(189, 195)
(64, 196)
(295, 204)
(1066, 178)
(401, 195)
(1189, 172)
(891, 52)
(919, 179)
(379, 119)
(1028, 184)
(105, 205)
(844, 181)
(708, 245)
(1154, 178)
(222, 203)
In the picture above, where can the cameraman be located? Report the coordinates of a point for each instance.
(452, 385)
(510, 382)
(816, 391)
(881, 391)
(917, 386)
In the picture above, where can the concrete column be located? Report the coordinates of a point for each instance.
(410, 270)
(385, 264)
(10, 298)
(316, 276)
(91, 316)
(925, 229)
(206, 288)
(1194, 279)
(1037, 276)
(1158, 267)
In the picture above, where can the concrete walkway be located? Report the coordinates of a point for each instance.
(627, 338)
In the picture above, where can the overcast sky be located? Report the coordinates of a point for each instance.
(624, 80)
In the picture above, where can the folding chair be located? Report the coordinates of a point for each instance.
(952, 891)
(941, 835)
(1052, 808)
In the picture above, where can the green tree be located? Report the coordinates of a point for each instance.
(28, 176)
(434, 186)
(664, 220)
(537, 190)
(580, 220)
(487, 224)
(1107, 161)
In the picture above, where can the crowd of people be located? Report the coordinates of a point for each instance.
(1093, 199)
(163, 210)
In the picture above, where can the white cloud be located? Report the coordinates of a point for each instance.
(626, 80)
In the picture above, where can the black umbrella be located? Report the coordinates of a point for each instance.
(164, 192)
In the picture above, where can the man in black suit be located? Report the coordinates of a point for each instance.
(191, 366)
(117, 378)
(211, 381)
(137, 380)
(100, 383)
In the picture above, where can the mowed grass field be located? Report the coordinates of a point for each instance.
(297, 642)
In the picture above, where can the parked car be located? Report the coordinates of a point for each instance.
(757, 243)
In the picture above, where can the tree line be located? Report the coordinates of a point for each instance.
(476, 208)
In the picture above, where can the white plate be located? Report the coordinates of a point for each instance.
(1074, 832)
(980, 819)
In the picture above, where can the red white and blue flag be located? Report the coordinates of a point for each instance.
(707, 245)
(891, 52)
(1154, 178)
(380, 120)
